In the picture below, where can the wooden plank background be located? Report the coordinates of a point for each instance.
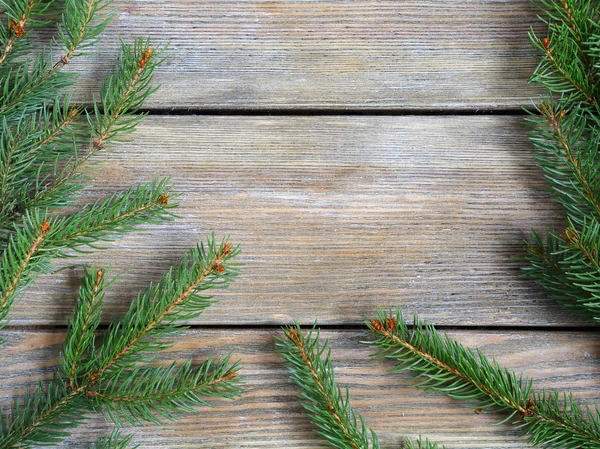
(342, 144)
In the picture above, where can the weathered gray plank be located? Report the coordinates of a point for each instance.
(327, 54)
(336, 216)
(269, 416)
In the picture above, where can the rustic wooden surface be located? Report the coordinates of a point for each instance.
(268, 414)
(364, 176)
(336, 216)
(330, 54)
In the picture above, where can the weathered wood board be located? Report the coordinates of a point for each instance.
(269, 415)
(336, 216)
(343, 203)
(329, 54)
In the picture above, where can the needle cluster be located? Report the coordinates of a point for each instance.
(566, 136)
(311, 370)
(441, 364)
(46, 146)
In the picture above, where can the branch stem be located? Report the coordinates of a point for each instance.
(297, 339)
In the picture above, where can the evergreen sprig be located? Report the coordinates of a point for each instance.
(548, 419)
(566, 136)
(41, 237)
(107, 377)
(46, 144)
(309, 364)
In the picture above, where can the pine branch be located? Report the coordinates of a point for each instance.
(44, 416)
(103, 378)
(566, 136)
(151, 394)
(151, 320)
(40, 237)
(122, 95)
(546, 267)
(311, 371)
(21, 15)
(43, 148)
(309, 364)
(80, 340)
(444, 365)
(568, 66)
(82, 23)
(23, 88)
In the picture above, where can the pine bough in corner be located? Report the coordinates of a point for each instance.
(45, 142)
(566, 135)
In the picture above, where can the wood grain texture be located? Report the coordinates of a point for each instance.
(336, 216)
(268, 414)
(328, 54)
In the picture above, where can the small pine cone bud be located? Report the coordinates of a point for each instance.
(146, 54)
(220, 269)
(376, 325)
(546, 43)
(99, 275)
(391, 323)
(226, 249)
(163, 199)
(294, 334)
(45, 226)
(231, 375)
(16, 28)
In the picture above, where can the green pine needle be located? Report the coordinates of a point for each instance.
(40, 237)
(158, 393)
(107, 376)
(45, 146)
(114, 441)
(311, 370)
(309, 364)
(566, 137)
(441, 364)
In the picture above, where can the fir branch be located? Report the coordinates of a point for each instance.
(82, 23)
(444, 365)
(21, 258)
(151, 394)
(151, 319)
(104, 220)
(40, 238)
(312, 372)
(28, 85)
(110, 373)
(309, 364)
(546, 267)
(566, 136)
(23, 88)
(21, 15)
(567, 151)
(121, 96)
(568, 66)
(79, 343)
(44, 416)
